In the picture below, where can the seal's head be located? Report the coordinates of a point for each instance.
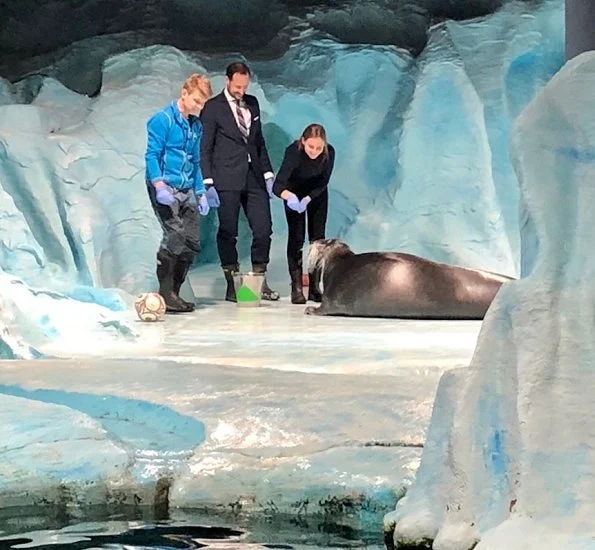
(322, 250)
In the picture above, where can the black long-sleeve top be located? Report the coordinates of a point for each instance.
(302, 175)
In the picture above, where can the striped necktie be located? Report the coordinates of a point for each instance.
(241, 121)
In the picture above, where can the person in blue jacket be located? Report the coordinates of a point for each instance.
(175, 186)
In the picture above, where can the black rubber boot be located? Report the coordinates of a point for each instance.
(165, 275)
(267, 293)
(181, 267)
(297, 288)
(229, 271)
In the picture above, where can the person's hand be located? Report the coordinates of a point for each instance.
(164, 194)
(304, 203)
(213, 196)
(203, 205)
(293, 202)
(269, 183)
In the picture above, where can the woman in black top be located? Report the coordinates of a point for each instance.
(302, 183)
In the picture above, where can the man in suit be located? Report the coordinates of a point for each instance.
(237, 172)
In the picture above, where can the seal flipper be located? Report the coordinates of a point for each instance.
(311, 310)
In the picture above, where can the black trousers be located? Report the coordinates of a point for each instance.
(316, 215)
(180, 225)
(255, 201)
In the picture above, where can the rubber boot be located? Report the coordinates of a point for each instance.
(165, 275)
(267, 293)
(181, 267)
(229, 271)
(297, 288)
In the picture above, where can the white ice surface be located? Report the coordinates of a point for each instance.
(276, 335)
(280, 336)
(333, 423)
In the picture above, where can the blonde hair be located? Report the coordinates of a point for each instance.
(314, 131)
(198, 83)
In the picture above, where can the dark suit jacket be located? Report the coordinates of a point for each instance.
(223, 152)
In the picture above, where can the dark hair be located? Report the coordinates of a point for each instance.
(314, 131)
(237, 67)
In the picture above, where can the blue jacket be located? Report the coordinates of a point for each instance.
(173, 150)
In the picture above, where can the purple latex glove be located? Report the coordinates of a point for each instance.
(164, 195)
(294, 203)
(304, 203)
(269, 183)
(212, 196)
(203, 205)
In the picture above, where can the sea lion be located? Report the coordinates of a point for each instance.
(397, 285)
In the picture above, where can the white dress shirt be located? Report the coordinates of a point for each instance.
(234, 106)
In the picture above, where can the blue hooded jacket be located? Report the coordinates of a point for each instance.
(173, 150)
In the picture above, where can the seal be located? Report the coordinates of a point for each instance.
(397, 285)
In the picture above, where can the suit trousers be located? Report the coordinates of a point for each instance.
(255, 202)
(316, 215)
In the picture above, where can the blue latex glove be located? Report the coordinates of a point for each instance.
(164, 195)
(203, 205)
(294, 203)
(304, 203)
(269, 183)
(213, 197)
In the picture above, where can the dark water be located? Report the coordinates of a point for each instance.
(44, 529)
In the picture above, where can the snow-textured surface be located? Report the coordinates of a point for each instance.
(320, 430)
(32, 317)
(510, 454)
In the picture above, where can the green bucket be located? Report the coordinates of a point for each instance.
(248, 288)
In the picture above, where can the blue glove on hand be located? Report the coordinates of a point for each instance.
(304, 203)
(203, 205)
(213, 197)
(164, 195)
(269, 183)
(294, 203)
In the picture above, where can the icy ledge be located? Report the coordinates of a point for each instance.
(511, 445)
(31, 317)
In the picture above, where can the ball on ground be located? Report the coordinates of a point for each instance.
(150, 306)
